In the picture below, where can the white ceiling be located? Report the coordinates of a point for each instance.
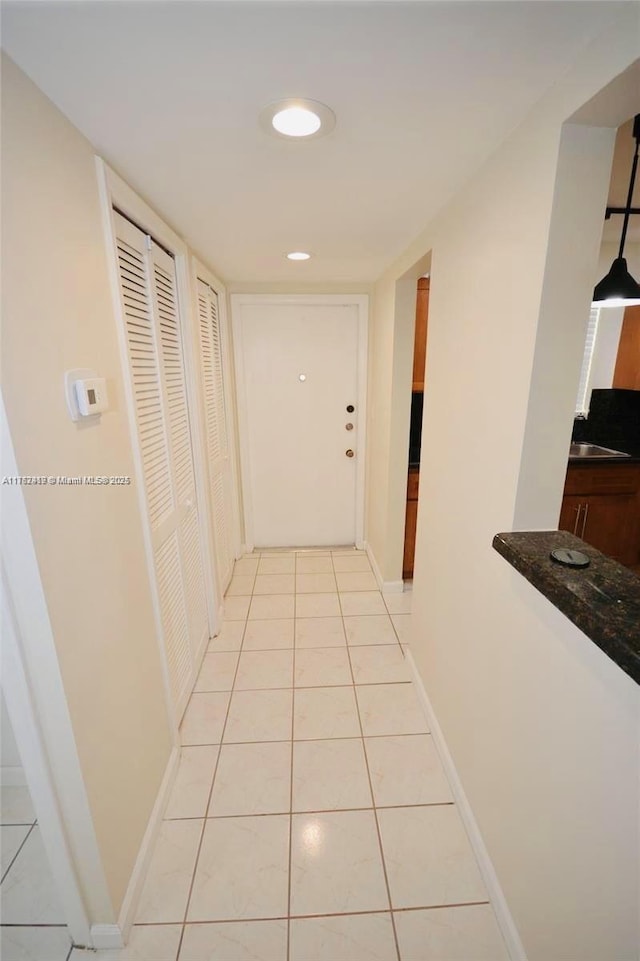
(169, 93)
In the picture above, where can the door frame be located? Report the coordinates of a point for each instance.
(361, 303)
(115, 192)
(200, 271)
(39, 715)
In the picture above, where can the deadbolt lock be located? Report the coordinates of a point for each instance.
(348, 426)
(350, 453)
(350, 409)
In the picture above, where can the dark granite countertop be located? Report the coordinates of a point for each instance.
(590, 461)
(603, 599)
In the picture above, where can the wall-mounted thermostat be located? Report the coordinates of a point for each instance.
(86, 393)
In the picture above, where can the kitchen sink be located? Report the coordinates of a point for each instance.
(581, 450)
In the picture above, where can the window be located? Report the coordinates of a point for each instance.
(584, 387)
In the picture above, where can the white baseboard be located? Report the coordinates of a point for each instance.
(393, 587)
(12, 777)
(105, 936)
(388, 587)
(374, 564)
(132, 896)
(200, 653)
(505, 920)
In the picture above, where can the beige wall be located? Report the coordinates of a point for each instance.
(543, 727)
(57, 315)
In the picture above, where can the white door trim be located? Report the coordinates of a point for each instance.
(39, 714)
(201, 272)
(361, 302)
(243, 432)
(115, 192)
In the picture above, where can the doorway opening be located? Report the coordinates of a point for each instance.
(601, 495)
(415, 425)
(408, 459)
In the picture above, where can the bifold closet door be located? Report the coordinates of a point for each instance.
(156, 366)
(218, 458)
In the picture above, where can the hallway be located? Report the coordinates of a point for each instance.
(310, 799)
(353, 778)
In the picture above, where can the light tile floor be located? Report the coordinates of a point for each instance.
(310, 819)
(33, 927)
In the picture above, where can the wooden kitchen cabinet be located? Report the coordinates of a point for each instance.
(410, 523)
(420, 338)
(419, 361)
(627, 370)
(601, 505)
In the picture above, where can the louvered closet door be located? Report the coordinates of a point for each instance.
(219, 461)
(154, 339)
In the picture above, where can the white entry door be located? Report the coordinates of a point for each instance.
(300, 373)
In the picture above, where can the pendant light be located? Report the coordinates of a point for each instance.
(618, 288)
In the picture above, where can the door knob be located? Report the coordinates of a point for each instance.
(348, 426)
(350, 453)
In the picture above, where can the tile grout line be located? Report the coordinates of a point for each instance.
(323, 647)
(366, 590)
(304, 687)
(34, 924)
(306, 617)
(268, 814)
(253, 578)
(375, 815)
(391, 616)
(293, 716)
(340, 737)
(15, 856)
(204, 820)
(395, 631)
(302, 917)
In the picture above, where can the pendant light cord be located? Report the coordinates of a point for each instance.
(634, 168)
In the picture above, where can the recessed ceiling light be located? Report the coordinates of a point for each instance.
(297, 119)
(296, 122)
(298, 255)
